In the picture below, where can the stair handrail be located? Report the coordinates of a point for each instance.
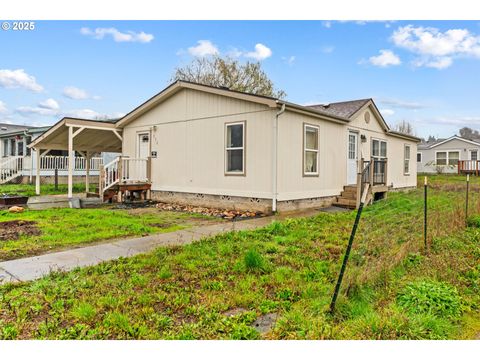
(111, 174)
(11, 168)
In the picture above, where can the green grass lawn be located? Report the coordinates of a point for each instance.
(393, 289)
(61, 228)
(29, 189)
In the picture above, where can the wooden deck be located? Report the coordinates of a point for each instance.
(468, 167)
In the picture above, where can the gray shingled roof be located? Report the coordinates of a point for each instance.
(7, 128)
(343, 109)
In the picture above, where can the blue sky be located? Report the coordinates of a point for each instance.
(425, 72)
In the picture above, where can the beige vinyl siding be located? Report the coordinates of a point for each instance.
(189, 138)
(395, 149)
(292, 184)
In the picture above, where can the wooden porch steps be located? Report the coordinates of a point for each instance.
(347, 198)
(126, 190)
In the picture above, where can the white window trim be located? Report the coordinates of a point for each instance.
(379, 148)
(447, 158)
(421, 157)
(405, 158)
(470, 154)
(317, 128)
(243, 123)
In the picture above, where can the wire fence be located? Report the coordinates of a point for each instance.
(405, 224)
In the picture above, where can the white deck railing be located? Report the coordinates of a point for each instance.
(50, 162)
(124, 170)
(10, 168)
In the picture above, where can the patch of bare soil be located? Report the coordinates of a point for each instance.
(12, 230)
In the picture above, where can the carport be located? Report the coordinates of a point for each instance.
(77, 135)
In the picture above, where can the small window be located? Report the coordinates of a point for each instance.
(441, 158)
(453, 157)
(310, 150)
(406, 162)
(474, 155)
(419, 157)
(5, 148)
(235, 148)
(12, 147)
(29, 141)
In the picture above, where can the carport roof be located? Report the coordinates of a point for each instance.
(89, 135)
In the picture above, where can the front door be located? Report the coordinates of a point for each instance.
(352, 156)
(143, 147)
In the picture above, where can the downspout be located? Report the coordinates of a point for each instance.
(275, 159)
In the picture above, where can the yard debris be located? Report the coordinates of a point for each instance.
(222, 213)
(12, 230)
(16, 209)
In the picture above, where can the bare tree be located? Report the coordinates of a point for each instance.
(469, 133)
(226, 72)
(405, 127)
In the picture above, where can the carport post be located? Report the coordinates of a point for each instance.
(87, 169)
(37, 174)
(71, 160)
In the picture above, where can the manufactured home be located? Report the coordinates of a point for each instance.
(210, 146)
(452, 155)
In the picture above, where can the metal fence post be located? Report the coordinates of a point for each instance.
(466, 200)
(425, 186)
(349, 248)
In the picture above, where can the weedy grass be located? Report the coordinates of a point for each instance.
(61, 228)
(218, 287)
(46, 189)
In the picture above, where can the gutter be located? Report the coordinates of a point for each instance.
(275, 159)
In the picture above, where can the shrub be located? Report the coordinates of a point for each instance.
(430, 297)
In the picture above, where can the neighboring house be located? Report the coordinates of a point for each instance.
(204, 145)
(18, 161)
(452, 155)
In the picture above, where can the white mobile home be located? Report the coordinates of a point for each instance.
(452, 155)
(198, 144)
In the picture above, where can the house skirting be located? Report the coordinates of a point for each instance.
(238, 202)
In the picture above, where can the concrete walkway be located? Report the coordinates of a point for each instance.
(35, 267)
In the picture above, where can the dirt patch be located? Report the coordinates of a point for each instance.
(12, 230)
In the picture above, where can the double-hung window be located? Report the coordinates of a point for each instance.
(447, 158)
(406, 160)
(235, 149)
(310, 150)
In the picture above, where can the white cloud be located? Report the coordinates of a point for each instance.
(3, 108)
(261, 52)
(327, 24)
(387, 112)
(385, 59)
(29, 110)
(75, 93)
(91, 114)
(14, 79)
(402, 104)
(118, 36)
(204, 48)
(50, 104)
(436, 49)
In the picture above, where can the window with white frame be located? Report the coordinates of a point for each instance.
(310, 150)
(406, 160)
(419, 157)
(379, 149)
(5, 148)
(474, 155)
(235, 149)
(453, 157)
(441, 158)
(447, 158)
